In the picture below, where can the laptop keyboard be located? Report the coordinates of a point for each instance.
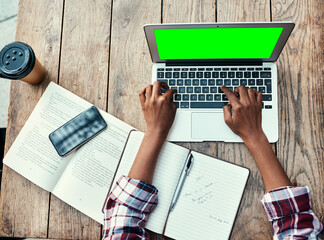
(199, 87)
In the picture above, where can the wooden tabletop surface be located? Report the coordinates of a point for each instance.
(97, 50)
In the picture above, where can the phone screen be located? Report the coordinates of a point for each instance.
(77, 131)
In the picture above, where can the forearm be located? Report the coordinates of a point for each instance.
(271, 170)
(146, 158)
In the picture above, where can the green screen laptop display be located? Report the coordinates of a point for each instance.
(213, 43)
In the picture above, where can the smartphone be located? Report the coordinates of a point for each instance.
(77, 131)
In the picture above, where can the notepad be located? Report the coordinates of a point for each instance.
(209, 199)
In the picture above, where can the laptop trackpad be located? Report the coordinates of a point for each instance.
(209, 125)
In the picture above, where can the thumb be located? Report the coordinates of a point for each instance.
(228, 115)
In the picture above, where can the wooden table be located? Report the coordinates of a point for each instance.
(97, 50)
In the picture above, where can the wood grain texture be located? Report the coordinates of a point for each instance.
(83, 71)
(23, 205)
(301, 109)
(251, 221)
(130, 62)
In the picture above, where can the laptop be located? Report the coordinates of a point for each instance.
(197, 59)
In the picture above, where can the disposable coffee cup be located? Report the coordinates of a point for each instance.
(18, 61)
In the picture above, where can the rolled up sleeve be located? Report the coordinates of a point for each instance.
(127, 209)
(290, 210)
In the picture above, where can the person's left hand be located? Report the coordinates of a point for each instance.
(159, 110)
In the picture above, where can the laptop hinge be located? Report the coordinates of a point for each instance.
(213, 64)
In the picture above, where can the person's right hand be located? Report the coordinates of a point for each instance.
(159, 110)
(246, 118)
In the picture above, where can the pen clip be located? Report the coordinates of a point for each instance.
(189, 164)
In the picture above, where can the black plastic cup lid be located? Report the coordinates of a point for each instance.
(17, 60)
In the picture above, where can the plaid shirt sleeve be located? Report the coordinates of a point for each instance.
(127, 209)
(290, 210)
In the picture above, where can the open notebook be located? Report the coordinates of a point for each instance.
(209, 199)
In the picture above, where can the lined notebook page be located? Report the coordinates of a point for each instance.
(166, 176)
(209, 200)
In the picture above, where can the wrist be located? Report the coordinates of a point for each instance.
(158, 137)
(255, 139)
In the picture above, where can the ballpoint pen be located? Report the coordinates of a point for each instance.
(183, 176)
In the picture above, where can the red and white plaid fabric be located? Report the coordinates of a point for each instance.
(127, 209)
(130, 202)
(290, 210)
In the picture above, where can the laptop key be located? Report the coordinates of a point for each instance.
(160, 74)
(211, 82)
(192, 74)
(189, 90)
(213, 89)
(199, 74)
(163, 80)
(215, 74)
(220, 90)
(268, 107)
(184, 104)
(201, 97)
(177, 104)
(209, 97)
(227, 82)
(217, 97)
(261, 89)
(247, 74)
(188, 82)
(254, 88)
(239, 74)
(184, 74)
(193, 69)
(255, 74)
(250, 69)
(193, 97)
(231, 74)
(160, 69)
(243, 82)
(168, 69)
(203, 82)
(266, 74)
(175, 74)
(184, 69)
(171, 82)
(242, 69)
(209, 69)
(267, 82)
(201, 69)
(259, 82)
(195, 82)
(207, 104)
(251, 82)
(223, 74)
(266, 97)
(197, 89)
(179, 82)
(177, 97)
(205, 89)
(235, 82)
(217, 69)
(182, 90)
(267, 68)
(219, 82)
(207, 74)
(185, 97)
(168, 75)
(224, 97)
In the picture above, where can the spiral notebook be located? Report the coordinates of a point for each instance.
(209, 199)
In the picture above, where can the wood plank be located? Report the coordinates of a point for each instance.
(300, 89)
(23, 205)
(130, 61)
(251, 221)
(83, 71)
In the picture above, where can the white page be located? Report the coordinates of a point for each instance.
(87, 179)
(32, 155)
(209, 200)
(166, 175)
